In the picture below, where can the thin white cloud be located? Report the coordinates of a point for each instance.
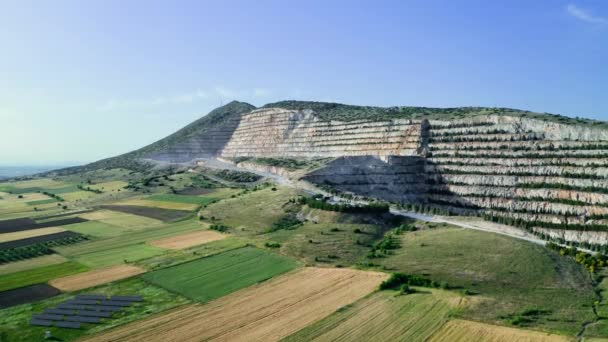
(216, 92)
(584, 15)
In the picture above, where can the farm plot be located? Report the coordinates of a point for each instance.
(198, 200)
(188, 240)
(6, 237)
(16, 225)
(27, 294)
(38, 240)
(160, 204)
(24, 265)
(119, 255)
(155, 213)
(218, 275)
(96, 277)
(115, 218)
(97, 229)
(264, 312)
(385, 317)
(462, 331)
(39, 275)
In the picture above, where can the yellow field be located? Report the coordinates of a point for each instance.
(461, 330)
(265, 312)
(383, 316)
(96, 277)
(160, 204)
(119, 219)
(29, 264)
(29, 233)
(188, 240)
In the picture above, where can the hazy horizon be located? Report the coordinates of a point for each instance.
(87, 81)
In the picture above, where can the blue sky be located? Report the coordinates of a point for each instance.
(84, 80)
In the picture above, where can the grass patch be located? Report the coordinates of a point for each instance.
(24, 265)
(200, 200)
(218, 275)
(513, 275)
(119, 255)
(39, 275)
(94, 228)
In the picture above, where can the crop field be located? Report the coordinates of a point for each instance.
(16, 225)
(215, 276)
(513, 275)
(27, 294)
(463, 331)
(129, 239)
(188, 240)
(119, 255)
(24, 234)
(160, 204)
(24, 265)
(96, 229)
(155, 213)
(39, 275)
(15, 320)
(385, 316)
(252, 213)
(197, 200)
(119, 219)
(94, 278)
(38, 239)
(265, 312)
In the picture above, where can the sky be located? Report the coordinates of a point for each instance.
(86, 80)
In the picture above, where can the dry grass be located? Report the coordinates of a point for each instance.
(461, 330)
(188, 240)
(264, 312)
(29, 233)
(95, 277)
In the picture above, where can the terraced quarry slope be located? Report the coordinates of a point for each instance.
(545, 173)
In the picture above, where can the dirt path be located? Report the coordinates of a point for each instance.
(265, 312)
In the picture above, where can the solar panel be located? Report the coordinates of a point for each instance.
(115, 303)
(83, 301)
(91, 297)
(71, 306)
(128, 298)
(83, 319)
(59, 312)
(41, 322)
(48, 317)
(70, 325)
(105, 308)
(87, 313)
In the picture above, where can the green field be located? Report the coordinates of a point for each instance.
(95, 228)
(14, 322)
(28, 264)
(120, 255)
(200, 200)
(39, 275)
(129, 239)
(384, 316)
(39, 202)
(218, 275)
(514, 276)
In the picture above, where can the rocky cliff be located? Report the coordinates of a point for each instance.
(543, 172)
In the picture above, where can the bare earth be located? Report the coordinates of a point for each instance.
(188, 240)
(265, 312)
(461, 330)
(97, 277)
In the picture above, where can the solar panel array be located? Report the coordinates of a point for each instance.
(84, 308)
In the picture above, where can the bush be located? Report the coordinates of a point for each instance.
(272, 244)
(219, 227)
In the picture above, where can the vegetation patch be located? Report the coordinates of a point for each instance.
(238, 176)
(155, 213)
(215, 276)
(39, 275)
(37, 246)
(199, 200)
(120, 255)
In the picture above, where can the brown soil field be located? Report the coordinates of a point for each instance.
(97, 277)
(36, 239)
(26, 294)
(265, 312)
(16, 225)
(461, 330)
(24, 234)
(188, 240)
